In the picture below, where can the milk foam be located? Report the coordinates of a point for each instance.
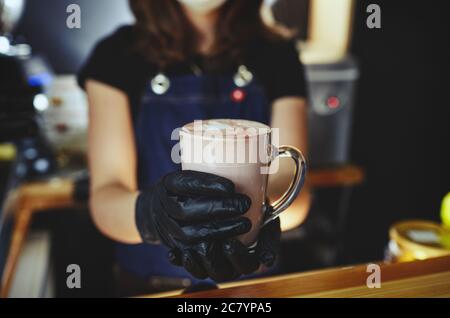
(227, 127)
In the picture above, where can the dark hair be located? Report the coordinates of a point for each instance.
(165, 36)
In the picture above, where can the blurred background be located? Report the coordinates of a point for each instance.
(379, 135)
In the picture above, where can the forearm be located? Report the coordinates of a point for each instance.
(113, 211)
(290, 116)
(297, 212)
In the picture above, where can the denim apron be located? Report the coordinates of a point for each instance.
(189, 98)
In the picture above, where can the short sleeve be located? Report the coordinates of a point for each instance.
(110, 62)
(288, 72)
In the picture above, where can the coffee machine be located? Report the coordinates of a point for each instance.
(323, 29)
(24, 154)
(331, 72)
(23, 78)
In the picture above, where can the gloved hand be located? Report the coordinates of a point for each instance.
(190, 212)
(245, 261)
(229, 259)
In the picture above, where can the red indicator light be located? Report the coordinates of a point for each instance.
(61, 128)
(238, 95)
(333, 102)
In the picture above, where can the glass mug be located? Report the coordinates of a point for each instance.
(243, 152)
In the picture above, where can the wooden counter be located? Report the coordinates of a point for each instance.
(428, 278)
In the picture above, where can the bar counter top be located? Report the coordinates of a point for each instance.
(422, 279)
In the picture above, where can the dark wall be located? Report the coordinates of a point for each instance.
(402, 120)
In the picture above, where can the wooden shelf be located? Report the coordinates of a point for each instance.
(24, 202)
(347, 175)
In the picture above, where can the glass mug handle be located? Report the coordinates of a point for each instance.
(296, 185)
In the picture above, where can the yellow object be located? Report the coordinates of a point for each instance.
(419, 240)
(445, 211)
(330, 31)
(7, 152)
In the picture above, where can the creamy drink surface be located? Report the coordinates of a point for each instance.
(236, 150)
(237, 125)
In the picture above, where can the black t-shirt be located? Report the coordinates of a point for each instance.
(113, 61)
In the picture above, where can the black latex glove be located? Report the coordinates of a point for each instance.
(228, 259)
(245, 261)
(187, 208)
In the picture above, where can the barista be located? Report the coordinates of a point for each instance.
(185, 60)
